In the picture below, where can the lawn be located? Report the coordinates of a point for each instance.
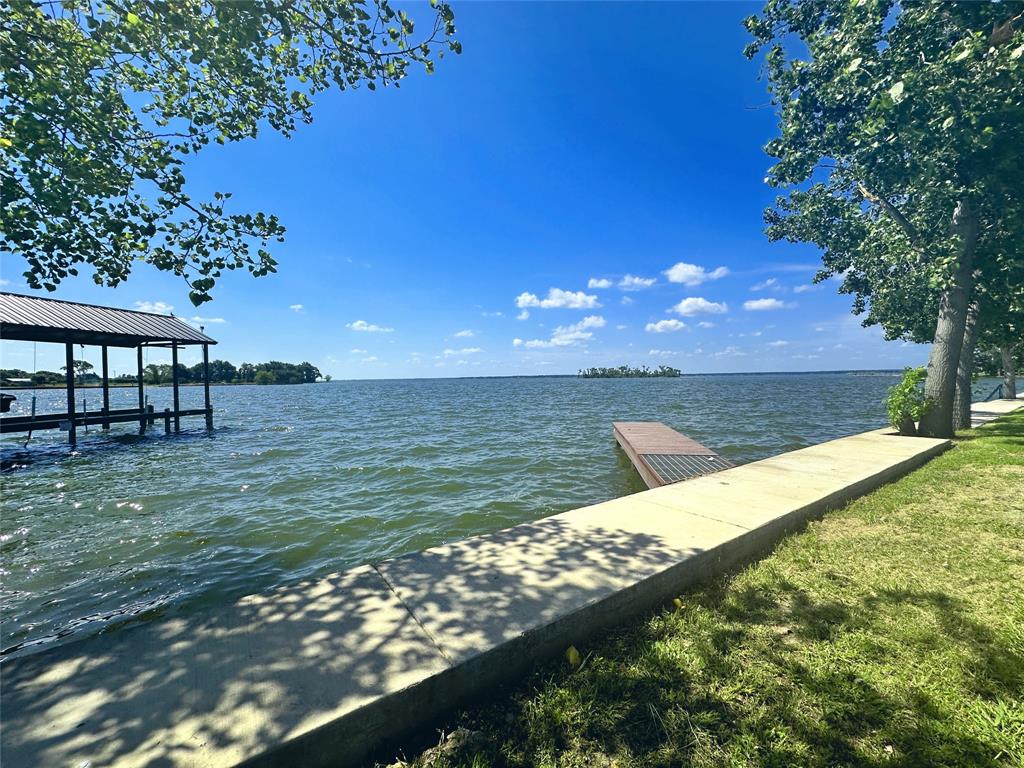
(891, 632)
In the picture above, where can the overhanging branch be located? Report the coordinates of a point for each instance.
(894, 212)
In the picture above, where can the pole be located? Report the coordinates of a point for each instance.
(206, 385)
(142, 396)
(69, 363)
(106, 391)
(174, 381)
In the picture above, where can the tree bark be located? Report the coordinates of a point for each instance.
(965, 371)
(940, 386)
(1009, 375)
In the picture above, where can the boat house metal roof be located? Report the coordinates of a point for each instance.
(33, 318)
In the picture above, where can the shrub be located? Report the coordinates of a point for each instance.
(907, 403)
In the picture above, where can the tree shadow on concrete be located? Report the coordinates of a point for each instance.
(295, 672)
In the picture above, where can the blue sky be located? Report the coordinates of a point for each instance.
(582, 186)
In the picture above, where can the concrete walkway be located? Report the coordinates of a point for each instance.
(322, 672)
(982, 413)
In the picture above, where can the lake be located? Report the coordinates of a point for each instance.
(305, 480)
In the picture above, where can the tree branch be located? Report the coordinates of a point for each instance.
(894, 212)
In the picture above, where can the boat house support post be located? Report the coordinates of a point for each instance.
(142, 395)
(174, 383)
(106, 389)
(69, 377)
(206, 386)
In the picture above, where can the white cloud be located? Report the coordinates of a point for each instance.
(523, 315)
(731, 352)
(760, 305)
(808, 288)
(558, 299)
(621, 327)
(691, 274)
(695, 305)
(662, 353)
(358, 351)
(208, 320)
(565, 335)
(295, 307)
(463, 351)
(633, 283)
(706, 324)
(664, 326)
(778, 343)
(492, 314)
(362, 325)
(770, 284)
(370, 359)
(466, 334)
(4, 282)
(158, 307)
(840, 276)
(599, 282)
(626, 301)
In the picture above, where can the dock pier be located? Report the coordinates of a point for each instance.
(663, 456)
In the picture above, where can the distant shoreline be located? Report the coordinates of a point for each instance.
(850, 372)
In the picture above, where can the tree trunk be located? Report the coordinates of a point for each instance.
(965, 371)
(1009, 375)
(940, 386)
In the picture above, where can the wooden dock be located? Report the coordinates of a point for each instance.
(663, 456)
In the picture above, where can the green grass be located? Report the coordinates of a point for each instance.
(890, 632)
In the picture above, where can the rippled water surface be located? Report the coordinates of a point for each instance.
(299, 481)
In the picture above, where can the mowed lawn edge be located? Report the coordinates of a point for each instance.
(889, 632)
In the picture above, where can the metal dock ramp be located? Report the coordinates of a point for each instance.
(663, 456)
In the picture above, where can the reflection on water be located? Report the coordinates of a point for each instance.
(302, 481)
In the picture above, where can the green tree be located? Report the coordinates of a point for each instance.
(81, 368)
(103, 102)
(265, 377)
(156, 373)
(901, 128)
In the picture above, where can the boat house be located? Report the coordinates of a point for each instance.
(33, 318)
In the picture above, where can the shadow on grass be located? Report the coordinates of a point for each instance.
(1009, 428)
(756, 676)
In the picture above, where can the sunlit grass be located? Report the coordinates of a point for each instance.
(891, 632)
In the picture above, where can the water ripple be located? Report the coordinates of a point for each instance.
(333, 475)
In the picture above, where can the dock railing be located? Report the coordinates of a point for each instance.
(995, 394)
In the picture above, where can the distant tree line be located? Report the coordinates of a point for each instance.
(221, 372)
(990, 362)
(625, 372)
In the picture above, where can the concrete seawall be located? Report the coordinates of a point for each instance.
(320, 673)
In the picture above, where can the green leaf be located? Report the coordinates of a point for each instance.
(896, 92)
(854, 65)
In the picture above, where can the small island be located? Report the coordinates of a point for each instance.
(625, 372)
